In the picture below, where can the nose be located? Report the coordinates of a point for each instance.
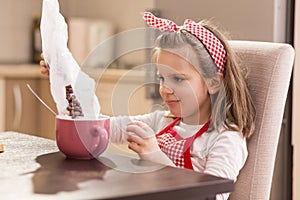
(165, 89)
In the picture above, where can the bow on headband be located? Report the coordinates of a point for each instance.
(208, 39)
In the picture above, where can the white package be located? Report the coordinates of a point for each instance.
(64, 70)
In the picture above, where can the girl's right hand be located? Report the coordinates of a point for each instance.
(44, 68)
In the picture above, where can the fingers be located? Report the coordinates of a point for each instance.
(136, 142)
(135, 147)
(43, 64)
(45, 71)
(44, 68)
(136, 139)
(141, 137)
(141, 129)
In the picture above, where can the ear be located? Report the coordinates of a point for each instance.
(214, 84)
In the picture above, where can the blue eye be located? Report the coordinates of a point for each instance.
(178, 78)
(174, 78)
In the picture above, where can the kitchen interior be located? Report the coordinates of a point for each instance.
(94, 21)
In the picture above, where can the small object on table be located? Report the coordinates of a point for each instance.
(1, 148)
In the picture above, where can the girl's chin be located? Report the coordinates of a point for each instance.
(176, 114)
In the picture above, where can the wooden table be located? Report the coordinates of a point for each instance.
(33, 168)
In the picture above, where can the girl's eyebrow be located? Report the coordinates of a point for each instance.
(173, 74)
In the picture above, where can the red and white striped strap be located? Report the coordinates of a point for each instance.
(208, 39)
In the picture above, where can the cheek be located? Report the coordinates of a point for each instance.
(193, 93)
(187, 91)
(181, 91)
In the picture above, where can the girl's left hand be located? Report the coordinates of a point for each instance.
(141, 138)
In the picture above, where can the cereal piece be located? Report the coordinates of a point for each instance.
(69, 88)
(68, 97)
(69, 108)
(74, 107)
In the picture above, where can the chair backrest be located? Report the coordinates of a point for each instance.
(270, 66)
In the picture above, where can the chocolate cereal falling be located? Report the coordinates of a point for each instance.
(74, 107)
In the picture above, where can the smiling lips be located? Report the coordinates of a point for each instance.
(171, 102)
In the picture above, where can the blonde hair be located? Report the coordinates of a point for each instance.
(232, 105)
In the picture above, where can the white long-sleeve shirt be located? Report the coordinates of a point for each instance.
(220, 154)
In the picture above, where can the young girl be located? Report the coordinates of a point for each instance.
(211, 110)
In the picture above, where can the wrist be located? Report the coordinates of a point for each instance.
(157, 157)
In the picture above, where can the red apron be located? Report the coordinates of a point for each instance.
(178, 149)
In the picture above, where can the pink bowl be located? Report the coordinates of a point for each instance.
(82, 138)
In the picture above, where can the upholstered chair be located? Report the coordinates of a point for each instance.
(270, 66)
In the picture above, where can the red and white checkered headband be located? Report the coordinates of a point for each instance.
(208, 39)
